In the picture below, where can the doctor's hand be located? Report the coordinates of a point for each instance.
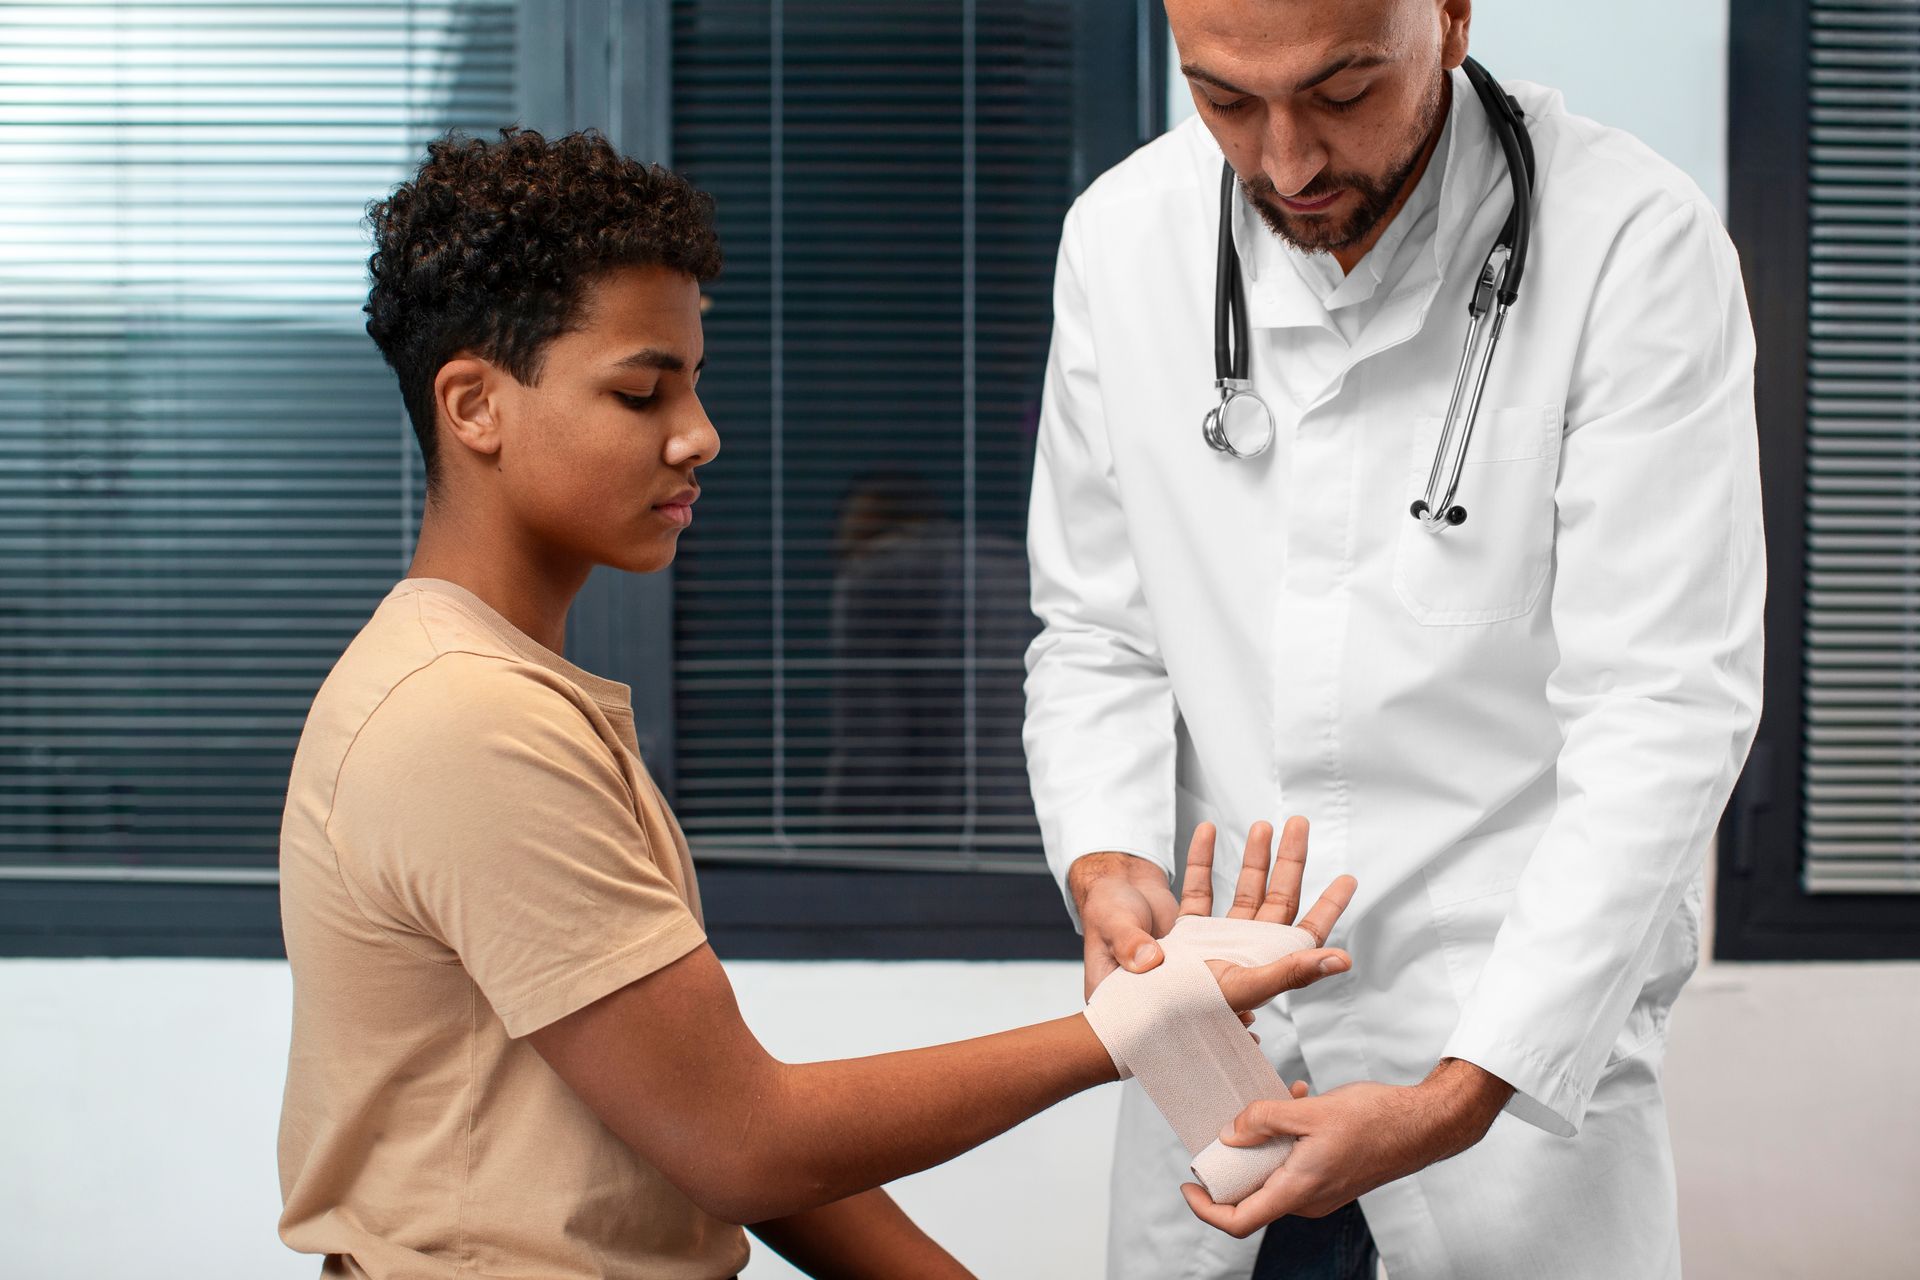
(1124, 904)
(1355, 1138)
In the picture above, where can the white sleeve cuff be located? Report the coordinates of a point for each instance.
(1545, 1095)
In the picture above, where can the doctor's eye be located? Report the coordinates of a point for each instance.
(1345, 104)
(1225, 108)
(634, 402)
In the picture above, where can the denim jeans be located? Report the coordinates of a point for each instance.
(1336, 1247)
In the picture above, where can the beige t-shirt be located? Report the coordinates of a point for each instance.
(472, 850)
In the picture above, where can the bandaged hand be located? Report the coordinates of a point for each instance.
(1178, 1026)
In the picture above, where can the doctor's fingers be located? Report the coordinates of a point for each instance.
(1278, 1198)
(1274, 1118)
(1119, 922)
(1290, 865)
(1127, 946)
(1320, 920)
(1196, 887)
(1249, 988)
(1251, 886)
(1098, 964)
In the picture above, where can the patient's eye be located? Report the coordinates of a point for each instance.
(638, 403)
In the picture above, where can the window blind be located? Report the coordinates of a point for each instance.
(1862, 622)
(851, 607)
(206, 477)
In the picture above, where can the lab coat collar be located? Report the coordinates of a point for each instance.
(1277, 298)
(1369, 275)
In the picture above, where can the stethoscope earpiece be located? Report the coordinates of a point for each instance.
(1455, 514)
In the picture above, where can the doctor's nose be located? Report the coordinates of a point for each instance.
(1290, 156)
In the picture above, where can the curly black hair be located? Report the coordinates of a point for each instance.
(492, 246)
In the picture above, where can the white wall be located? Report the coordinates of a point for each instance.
(1656, 68)
(1795, 1120)
(138, 1099)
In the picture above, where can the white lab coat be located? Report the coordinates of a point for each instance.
(1518, 734)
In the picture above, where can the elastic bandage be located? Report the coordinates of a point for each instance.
(1171, 1029)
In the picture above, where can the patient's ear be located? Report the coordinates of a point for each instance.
(465, 397)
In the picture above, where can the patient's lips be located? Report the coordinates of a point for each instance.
(678, 509)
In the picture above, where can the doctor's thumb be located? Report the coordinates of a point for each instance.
(1132, 947)
(1265, 1119)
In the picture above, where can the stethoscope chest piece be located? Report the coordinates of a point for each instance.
(1242, 423)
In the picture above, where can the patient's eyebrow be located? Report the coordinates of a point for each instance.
(654, 358)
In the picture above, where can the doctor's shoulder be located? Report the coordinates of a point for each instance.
(1148, 222)
(1180, 169)
(1602, 183)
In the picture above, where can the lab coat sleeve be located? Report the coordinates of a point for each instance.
(1100, 713)
(1659, 579)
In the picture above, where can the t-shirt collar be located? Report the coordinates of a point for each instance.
(610, 694)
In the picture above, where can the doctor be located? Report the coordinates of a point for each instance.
(1518, 730)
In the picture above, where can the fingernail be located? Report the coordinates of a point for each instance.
(1146, 954)
(1333, 964)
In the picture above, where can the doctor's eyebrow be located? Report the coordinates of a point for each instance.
(1350, 62)
(654, 358)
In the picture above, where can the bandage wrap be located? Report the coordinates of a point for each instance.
(1172, 1029)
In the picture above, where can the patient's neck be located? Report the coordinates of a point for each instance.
(526, 583)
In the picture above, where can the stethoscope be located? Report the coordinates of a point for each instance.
(1242, 424)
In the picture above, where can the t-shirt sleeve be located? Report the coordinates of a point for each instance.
(479, 810)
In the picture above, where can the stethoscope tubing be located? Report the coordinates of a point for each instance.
(1497, 289)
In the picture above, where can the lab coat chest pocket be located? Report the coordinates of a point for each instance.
(1493, 566)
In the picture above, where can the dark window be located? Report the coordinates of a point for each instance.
(1818, 853)
(851, 625)
(207, 481)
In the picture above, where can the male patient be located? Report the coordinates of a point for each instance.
(513, 1052)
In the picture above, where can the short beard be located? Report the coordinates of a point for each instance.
(1312, 233)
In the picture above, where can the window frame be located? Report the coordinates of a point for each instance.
(1762, 912)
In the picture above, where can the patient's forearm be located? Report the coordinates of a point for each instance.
(824, 1130)
(668, 1064)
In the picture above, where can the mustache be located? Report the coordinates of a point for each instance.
(1262, 190)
